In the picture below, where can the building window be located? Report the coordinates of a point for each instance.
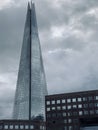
(63, 107)
(69, 120)
(48, 115)
(6, 127)
(65, 127)
(0, 127)
(96, 104)
(70, 127)
(80, 113)
(96, 111)
(85, 105)
(58, 114)
(16, 126)
(21, 126)
(65, 121)
(26, 127)
(74, 100)
(96, 97)
(80, 106)
(74, 106)
(68, 100)
(53, 108)
(48, 109)
(48, 102)
(11, 126)
(64, 114)
(53, 102)
(69, 107)
(58, 101)
(54, 115)
(91, 105)
(85, 112)
(90, 98)
(79, 99)
(63, 101)
(91, 111)
(69, 114)
(75, 120)
(58, 108)
(31, 126)
(84, 98)
(74, 113)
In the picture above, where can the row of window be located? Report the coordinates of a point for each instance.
(69, 100)
(74, 113)
(73, 106)
(7, 127)
(18, 126)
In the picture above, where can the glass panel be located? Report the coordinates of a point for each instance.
(96, 97)
(31, 127)
(48, 102)
(58, 101)
(53, 102)
(53, 108)
(26, 127)
(79, 99)
(64, 114)
(69, 120)
(6, 127)
(63, 101)
(11, 126)
(69, 106)
(54, 115)
(16, 127)
(68, 100)
(0, 127)
(63, 107)
(74, 106)
(21, 126)
(65, 121)
(80, 106)
(58, 108)
(80, 112)
(48, 109)
(74, 100)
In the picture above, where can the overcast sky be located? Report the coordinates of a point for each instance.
(68, 31)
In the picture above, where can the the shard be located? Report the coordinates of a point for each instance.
(31, 84)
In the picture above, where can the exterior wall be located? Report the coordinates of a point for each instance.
(69, 111)
(21, 125)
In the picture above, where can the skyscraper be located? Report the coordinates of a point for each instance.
(31, 84)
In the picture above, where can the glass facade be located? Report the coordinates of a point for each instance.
(31, 84)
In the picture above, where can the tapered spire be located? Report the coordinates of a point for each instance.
(31, 84)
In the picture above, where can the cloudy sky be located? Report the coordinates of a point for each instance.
(68, 31)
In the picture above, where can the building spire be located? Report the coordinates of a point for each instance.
(31, 84)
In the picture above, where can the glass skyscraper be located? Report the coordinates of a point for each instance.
(31, 84)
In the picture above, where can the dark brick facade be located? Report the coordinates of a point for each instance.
(71, 111)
